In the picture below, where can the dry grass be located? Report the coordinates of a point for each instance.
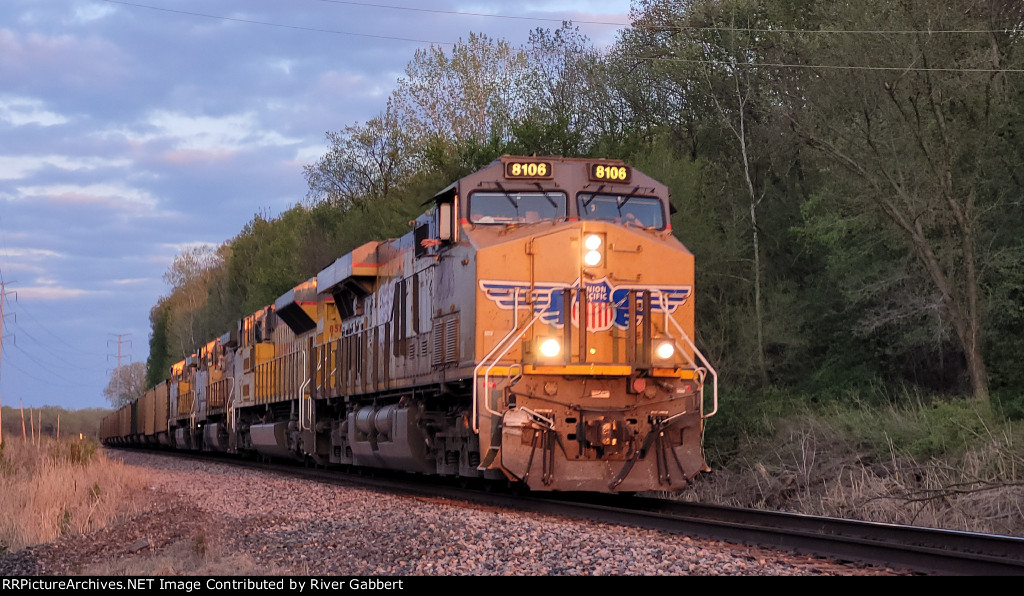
(829, 465)
(59, 488)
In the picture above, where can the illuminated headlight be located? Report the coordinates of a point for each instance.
(594, 247)
(665, 350)
(549, 348)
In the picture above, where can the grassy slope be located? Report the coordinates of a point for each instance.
(937, 463)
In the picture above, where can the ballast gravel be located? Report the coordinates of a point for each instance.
(245, 521)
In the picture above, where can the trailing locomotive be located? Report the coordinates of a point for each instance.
(535, 325)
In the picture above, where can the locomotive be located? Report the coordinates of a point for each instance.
(535, 325)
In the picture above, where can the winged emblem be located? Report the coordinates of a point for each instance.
(607, 305)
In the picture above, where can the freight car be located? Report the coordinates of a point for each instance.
(535, 325)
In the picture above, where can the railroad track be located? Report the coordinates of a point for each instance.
(915, 549)
(926, 550)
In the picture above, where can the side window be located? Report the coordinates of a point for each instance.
(422, 233)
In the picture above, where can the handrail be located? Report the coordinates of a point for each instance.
(704, 361)
(487, 373)
(476, 370)
(303, 423)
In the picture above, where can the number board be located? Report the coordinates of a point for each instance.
(609, 173)
(527, 170)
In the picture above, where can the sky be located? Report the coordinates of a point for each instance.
(132, 130)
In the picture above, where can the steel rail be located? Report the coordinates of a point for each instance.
(930, 550)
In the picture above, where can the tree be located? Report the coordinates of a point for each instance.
(190, 276)
(695, 74)
(473, 94)
(913, 135)
(160, 360)
(363, 164)
(127, 383)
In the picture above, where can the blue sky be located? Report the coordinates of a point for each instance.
(129, 133)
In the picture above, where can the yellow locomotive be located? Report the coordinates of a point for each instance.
(535, 325)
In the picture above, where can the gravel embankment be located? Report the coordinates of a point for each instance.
(201, 518)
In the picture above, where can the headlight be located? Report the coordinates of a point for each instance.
(664, 351)
(593, 245)
(549, 348)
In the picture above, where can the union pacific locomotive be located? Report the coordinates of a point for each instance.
(536, 324)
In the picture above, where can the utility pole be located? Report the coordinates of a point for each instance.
(3, 300)
(117, 372)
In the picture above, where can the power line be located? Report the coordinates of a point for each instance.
(296, 27)
(52, 348)
(642, 58)
(738, 64)
(62, 341)
(41, 366)
(478, 14)
(635, 24)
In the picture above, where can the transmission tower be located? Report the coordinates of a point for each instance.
(117, 371)
(3, 300)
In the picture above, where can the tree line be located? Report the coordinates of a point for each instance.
(847, 175)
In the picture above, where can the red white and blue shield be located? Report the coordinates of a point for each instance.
(600, 308)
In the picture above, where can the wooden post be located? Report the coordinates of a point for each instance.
(32, 424)
(22, 405)
(58, 427)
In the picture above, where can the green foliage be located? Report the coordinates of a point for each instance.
(745, 418)
(919, 426)
(73, 451)
(766, 426)
(159, 363)
(72, 422)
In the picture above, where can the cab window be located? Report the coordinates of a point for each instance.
(628, 210)
(516, 207)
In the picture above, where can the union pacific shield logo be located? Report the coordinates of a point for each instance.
(606, 304)
(600, 308)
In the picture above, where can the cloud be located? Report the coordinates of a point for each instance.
(91, 11)
(32, 253)
(114, 196)
(22, 111)
(15, 167)
(90, 62)
(54, 292)
(191, 135)
(309, 154)
(183, 246)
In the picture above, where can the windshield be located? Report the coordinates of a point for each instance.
(515, 207)
(642, 212)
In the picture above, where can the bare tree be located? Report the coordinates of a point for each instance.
(127, 383)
